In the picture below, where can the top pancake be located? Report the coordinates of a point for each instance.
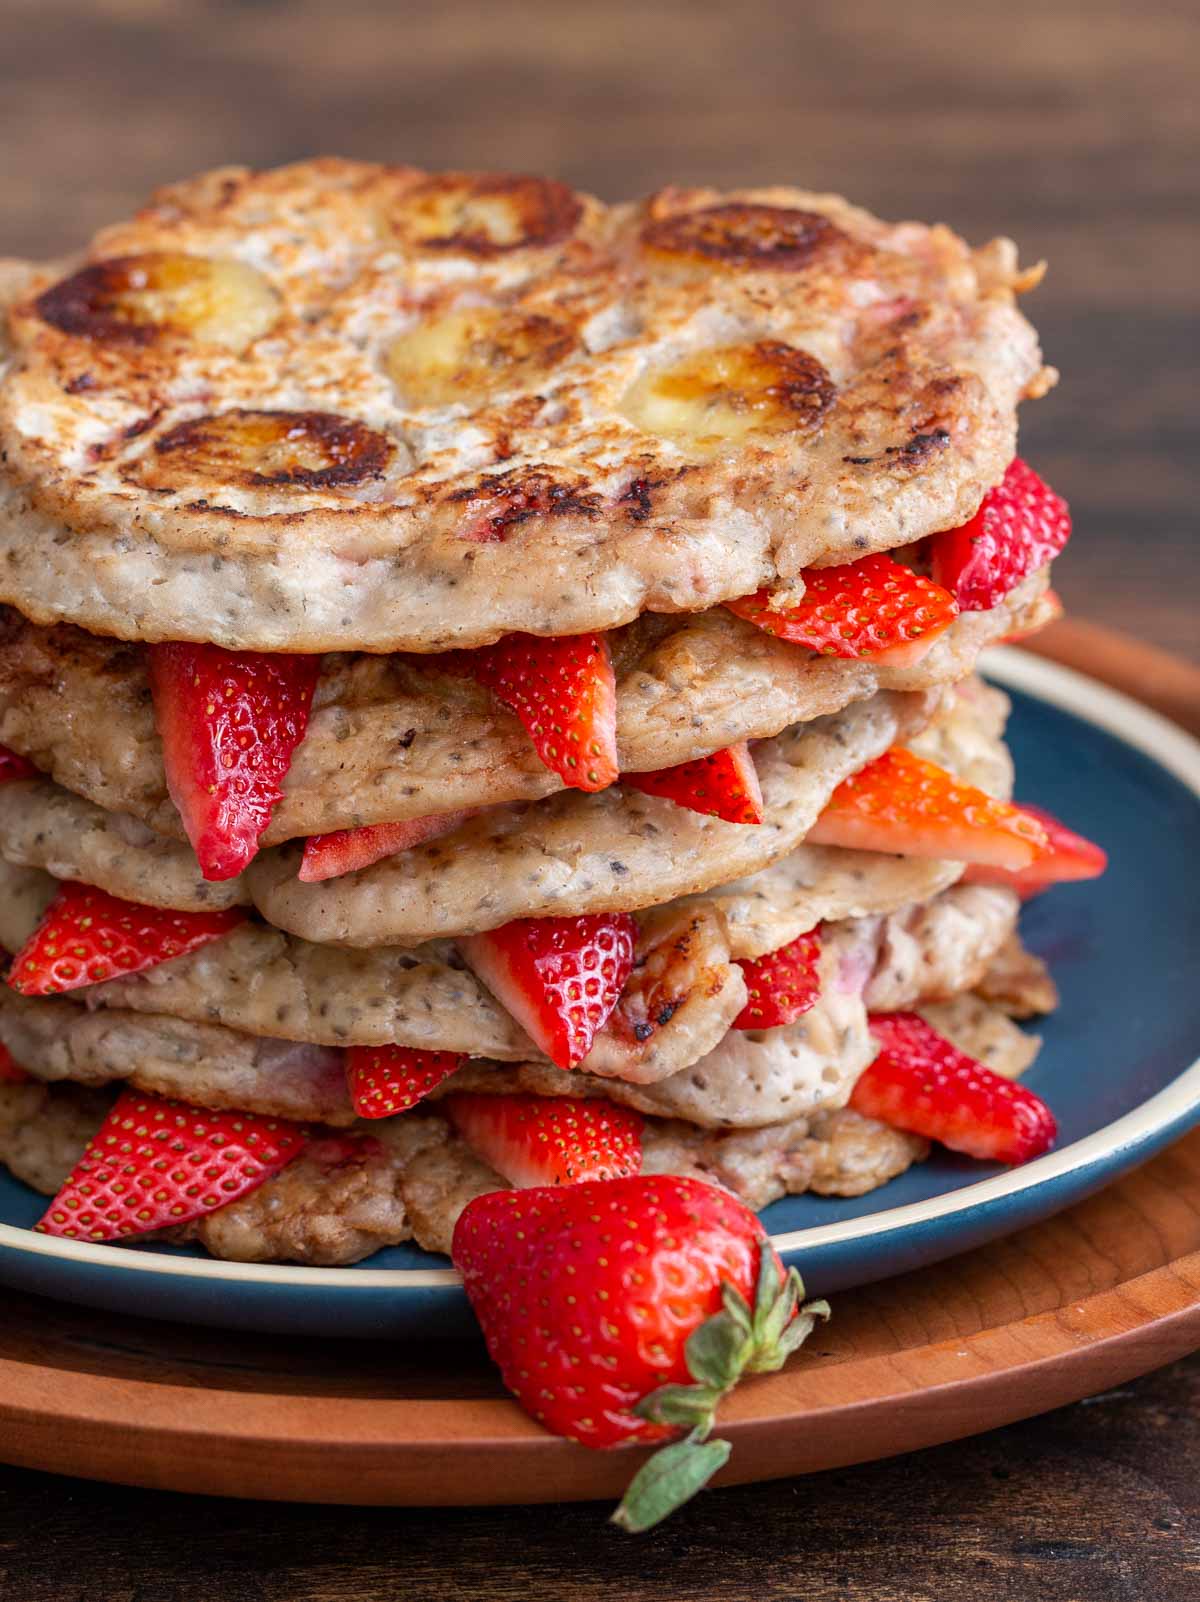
(343, 406)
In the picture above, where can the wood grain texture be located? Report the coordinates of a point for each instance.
(1166, 682)
(1085, 1300)
(1071, 129)
(1095, 1503)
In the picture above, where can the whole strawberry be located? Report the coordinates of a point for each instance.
(621, 1311)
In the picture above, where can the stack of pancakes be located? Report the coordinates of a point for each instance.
(369, 415)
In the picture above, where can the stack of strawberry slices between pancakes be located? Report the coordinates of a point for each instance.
(487, 686)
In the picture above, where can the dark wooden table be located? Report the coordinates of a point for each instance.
(1071, 128)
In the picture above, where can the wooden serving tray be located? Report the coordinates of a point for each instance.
(1063, 1309)
(1075, 1305)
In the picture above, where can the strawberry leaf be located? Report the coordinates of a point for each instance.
(717, 1351)
(795, 1335)
(736, 1305)
(672, 1477)
(685, 1407)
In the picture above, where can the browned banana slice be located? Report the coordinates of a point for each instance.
(739, 234)
(726, 394)
(474, 352)
(136, 299)
(486, 214)
(309, 450)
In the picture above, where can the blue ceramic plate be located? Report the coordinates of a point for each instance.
(1119, 1064)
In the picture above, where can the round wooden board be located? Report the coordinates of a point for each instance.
(1081, 1302)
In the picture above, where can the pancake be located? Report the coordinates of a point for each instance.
(391, 738)
(617, 850)
(336, 1203)
(206, 1065)
(745, 1081)
(379, 1184)
(189, 1029)
(342, 406)
(680, 998)
(360, 1186)
(44, 826)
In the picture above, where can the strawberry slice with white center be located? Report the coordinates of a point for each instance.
(875, 608)
(87, 936)
(921, 1083)
(155, 1163)
(724, 785)
(549, 1140)
(560, 978)
(11, 1072)
(385, 1080)
(564, 692)
(1069, 857)
(1020, 526)
(13, 766)
(230, 722)
(328, 856)
(783, 984)
(902, 804)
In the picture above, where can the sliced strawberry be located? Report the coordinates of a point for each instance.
(902, 804)
(11, 1072)
(558, 977)
(87, 936)
(230, 722)
(1070, 857)
(783, 984)
(154, 1164)
(328, 856)
(874, 608)
(13, 766)
(919, 1082)
(724, 785)
(549, 1140)
(385, 1080)
(563, 691)
(1020, 526)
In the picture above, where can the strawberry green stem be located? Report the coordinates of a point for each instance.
(738, 1340)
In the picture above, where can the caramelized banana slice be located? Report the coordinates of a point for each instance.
(137, 299)
(309, 450)
(485, 214)
(728, 394)
(775, 238)
(471, 354)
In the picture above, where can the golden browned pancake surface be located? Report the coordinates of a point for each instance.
(345, 406)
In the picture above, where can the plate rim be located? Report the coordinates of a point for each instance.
(1120, 715)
